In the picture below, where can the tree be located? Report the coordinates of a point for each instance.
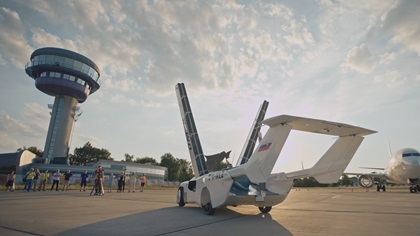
(185, 172)
(178, 169)
(170, 162)
(35, 150)
(308, 182)
(345, 180)
(86, 154)
(128, 157)
(146, 160)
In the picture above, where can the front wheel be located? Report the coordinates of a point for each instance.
(208, 209)
(180, 197)
(265, 209)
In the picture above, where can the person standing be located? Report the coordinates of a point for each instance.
(10, 184)
(67, 177)
(121, 182)
(29, 178)
(44, 178)
(99, 178)
(37, 177)
(84, 176)
(56, 180)
(142, 182)
(133, 180)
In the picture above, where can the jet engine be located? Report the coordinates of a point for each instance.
(366, 181)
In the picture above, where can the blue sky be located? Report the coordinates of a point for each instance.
(354, 62)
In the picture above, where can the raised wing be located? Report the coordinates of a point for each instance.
(194, 145)
(253, 135)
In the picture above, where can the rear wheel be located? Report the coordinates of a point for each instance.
(208, 209)
(265, 209)
(180, 197)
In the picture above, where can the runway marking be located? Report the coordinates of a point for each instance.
(337, 196)
(18, 230)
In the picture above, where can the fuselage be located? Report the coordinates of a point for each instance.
(226, 188)
(404, 166)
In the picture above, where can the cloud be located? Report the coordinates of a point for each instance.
(399, 24)
(391, 78)
(120, 84)
(7, 143)
(40, 39)
(359, 59)
(14, 49)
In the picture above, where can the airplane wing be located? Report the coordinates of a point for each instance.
(372, 168)
(331, 165)
(318, 126)
(373, 175)
(366, 180)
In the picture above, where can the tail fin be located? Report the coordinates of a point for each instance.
(333, 163)
(253, 135)
(261, 163)
(194, 146)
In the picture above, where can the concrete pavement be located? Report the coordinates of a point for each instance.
(318, 211)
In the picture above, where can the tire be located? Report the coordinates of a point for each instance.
(383, 188)
(208, 209)
(265, 209)
(378, 188)
(180, 197)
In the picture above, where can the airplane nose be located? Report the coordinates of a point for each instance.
(411, 161)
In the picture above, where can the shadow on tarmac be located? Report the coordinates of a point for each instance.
(188, 220)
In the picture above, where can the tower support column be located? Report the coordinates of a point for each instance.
(62, 118)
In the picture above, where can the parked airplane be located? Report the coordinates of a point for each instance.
(403, 168)
(251, 182)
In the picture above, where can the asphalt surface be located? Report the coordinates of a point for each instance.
(330, 211)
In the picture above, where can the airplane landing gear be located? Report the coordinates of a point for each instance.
(380, 187)
(208, 209)
(265, 209)
(414, 186)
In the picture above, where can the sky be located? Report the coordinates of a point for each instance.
(354, 62)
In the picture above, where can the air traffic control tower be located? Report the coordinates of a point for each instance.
(70, 78)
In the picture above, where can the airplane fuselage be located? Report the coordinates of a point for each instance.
(404, 166)
(230, 187)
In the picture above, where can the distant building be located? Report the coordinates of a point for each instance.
(22, 161)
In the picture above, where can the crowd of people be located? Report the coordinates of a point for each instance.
(36, 181)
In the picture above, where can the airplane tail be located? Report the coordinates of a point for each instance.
(253, 135)
(194, 146)
(328, 169)
(333, 163)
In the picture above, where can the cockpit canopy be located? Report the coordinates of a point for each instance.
(408, 152)
(411, 154)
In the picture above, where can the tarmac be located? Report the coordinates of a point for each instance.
(313, 211)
